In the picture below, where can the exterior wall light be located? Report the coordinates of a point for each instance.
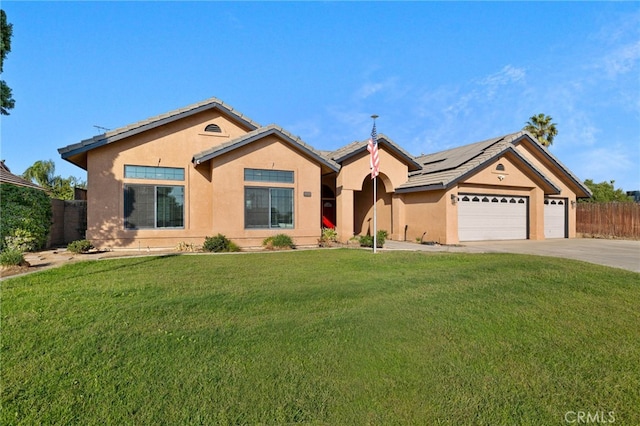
(454, 198)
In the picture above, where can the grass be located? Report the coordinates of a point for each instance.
(321, 337)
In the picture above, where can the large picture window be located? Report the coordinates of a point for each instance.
(268, 208)
(153, 206)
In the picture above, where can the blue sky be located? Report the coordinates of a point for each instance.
(439, 75)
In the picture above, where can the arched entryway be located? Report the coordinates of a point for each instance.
(363, 207)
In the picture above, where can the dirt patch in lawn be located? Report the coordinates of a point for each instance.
(39, 261)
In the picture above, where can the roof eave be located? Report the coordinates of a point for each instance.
(106, 138)
(565, 171)
(269, 130)
(422, 188)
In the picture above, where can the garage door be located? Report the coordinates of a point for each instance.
(555, 218)
(488, 217)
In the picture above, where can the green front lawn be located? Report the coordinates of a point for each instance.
(326, 337)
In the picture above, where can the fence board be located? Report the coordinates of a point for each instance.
(620, 220)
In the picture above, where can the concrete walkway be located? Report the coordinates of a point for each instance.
(624, 254)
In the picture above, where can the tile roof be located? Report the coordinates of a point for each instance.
(357, 147)
(444, 169)
(150, 123)
(259, 134)
(7, 177)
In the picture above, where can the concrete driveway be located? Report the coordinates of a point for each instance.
(622, 254)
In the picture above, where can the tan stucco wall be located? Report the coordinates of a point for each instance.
(435, 213)
(426, 216)
(566, 192)
(514, 182)
(354, 201)
(227, 212)
(171, 145)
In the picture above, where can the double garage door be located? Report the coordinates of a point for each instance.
(488, 217)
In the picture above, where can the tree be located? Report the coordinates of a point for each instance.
(6, 97)
(542, 128)
(43, 173)
(605, 192)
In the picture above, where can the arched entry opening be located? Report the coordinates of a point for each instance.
(328, 208)
(363, 207)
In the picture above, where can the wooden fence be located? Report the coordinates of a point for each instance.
(621, 220)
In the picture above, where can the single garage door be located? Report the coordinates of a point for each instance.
(489, 217)
(555, 218)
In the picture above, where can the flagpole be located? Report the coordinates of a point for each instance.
(375, 216)
(375, 199)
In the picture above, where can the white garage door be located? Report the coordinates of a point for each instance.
(555, 218)
(489, 217)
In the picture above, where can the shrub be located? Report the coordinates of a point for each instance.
(80, 246)
(25, 218)
(11, 257)
(219, 244)
(184, 246)
(381, 237)
(328, 238)
(367, 240)
(22, 240)
(279, 241)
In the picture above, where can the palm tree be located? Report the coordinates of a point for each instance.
(542, 128)
(42, 173)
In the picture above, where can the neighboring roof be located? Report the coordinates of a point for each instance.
(358, 147)
(446, 168)
(258, 134)
(7, 177)
(82, 147)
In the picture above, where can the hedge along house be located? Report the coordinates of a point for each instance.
(208, 169)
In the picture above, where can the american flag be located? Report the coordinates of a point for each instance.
(372, 147)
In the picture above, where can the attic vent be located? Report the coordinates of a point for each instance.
(214, 128)
(500, 167)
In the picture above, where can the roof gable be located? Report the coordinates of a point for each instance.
(447, 168)
(74, 153)
(261, 133)
(358, 147)
(542, 151)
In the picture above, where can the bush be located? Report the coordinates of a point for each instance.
(26, 217)
(184, 246)
(381, 237)
(11, 257)
(279, 241)
(367, 240)
(328, 238)
(80, 246)
(219, 244)
(21, 240)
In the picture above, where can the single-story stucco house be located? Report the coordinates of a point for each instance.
(207, 169)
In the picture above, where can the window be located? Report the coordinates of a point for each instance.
(268, 208)
(153, 206)
(260, 175)
(214, 128)
(146, 172)
(500, 167)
